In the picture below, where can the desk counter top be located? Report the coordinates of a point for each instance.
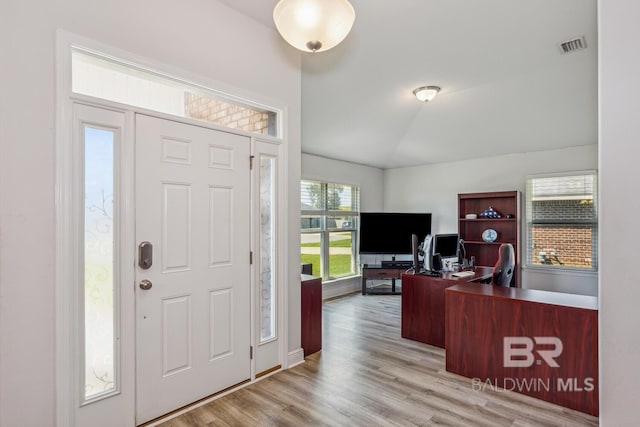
(479, 274)
(531, 295)
(305, 277)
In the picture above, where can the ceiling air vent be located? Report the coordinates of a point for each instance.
(573, 45)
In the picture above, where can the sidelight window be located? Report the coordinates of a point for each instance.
(267, 233)
(99, 263)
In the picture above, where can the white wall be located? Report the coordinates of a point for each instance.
(619, 204)
(370, 181)
(203, 37)
(434, 188)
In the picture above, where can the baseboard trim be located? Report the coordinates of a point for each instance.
(295, 357)
(341, 287)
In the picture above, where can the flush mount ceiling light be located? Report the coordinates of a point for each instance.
(426, 93)
(313, 25)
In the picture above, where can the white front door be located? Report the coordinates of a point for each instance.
(193, 320)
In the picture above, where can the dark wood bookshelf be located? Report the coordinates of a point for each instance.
(508, 229)
(487, 219)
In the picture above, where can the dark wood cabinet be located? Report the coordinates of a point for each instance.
(311, 303)
(507, 227)
(555, 357)
(423, 310)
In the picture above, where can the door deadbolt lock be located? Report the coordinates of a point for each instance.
(145, 285)
(145, 255)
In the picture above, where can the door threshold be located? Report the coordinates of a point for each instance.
(268, 371)
(193, 405)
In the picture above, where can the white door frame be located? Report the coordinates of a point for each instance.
(67, 239)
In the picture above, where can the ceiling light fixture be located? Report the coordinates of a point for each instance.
(426, 93)
(313, 25)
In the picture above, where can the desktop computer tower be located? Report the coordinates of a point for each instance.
(415, 250)
(427, 250)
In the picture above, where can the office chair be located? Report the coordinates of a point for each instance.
(503, 270)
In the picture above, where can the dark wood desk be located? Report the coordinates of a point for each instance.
(311, 305)
(423, 307)
(378, 272)
(480, 317)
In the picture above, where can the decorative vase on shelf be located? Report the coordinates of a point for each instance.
(489, 213)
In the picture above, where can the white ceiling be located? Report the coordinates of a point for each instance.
(505, 86)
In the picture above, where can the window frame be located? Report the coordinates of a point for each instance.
(90, 118)
(527, 225)
(149, 73)
(325, 231)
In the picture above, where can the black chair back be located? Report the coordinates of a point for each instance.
(503, 270)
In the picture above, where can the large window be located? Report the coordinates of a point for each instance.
(329, 225)
(562, 221)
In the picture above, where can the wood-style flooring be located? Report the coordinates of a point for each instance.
(367, 375)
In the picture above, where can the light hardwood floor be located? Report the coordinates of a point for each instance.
(367, 375)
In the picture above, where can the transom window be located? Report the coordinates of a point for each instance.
(329, 228)
(106, 78)
(562, 221)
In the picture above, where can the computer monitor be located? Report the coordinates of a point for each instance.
(446, 245)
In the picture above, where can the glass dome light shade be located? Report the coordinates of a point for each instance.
(426, 93)
(313, 25)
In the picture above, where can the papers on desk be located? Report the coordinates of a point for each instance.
(463, 273)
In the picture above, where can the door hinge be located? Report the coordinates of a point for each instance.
(251, 352)
(250, 257)
(251, 161)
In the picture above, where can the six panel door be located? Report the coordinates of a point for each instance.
(193, 294)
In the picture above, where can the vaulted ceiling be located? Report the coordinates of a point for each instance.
(506, 88)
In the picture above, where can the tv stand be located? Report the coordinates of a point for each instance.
(381, 272)
(396, 264)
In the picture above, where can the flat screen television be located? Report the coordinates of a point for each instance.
(390, 233)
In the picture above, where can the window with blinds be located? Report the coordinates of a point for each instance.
(329, 228)
(562, 220)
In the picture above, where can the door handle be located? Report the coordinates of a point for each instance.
(145, 285)
(145, 255)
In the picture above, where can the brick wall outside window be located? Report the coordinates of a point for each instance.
(562, 245)
(563, 210)
(227, 114)
(555, 240)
